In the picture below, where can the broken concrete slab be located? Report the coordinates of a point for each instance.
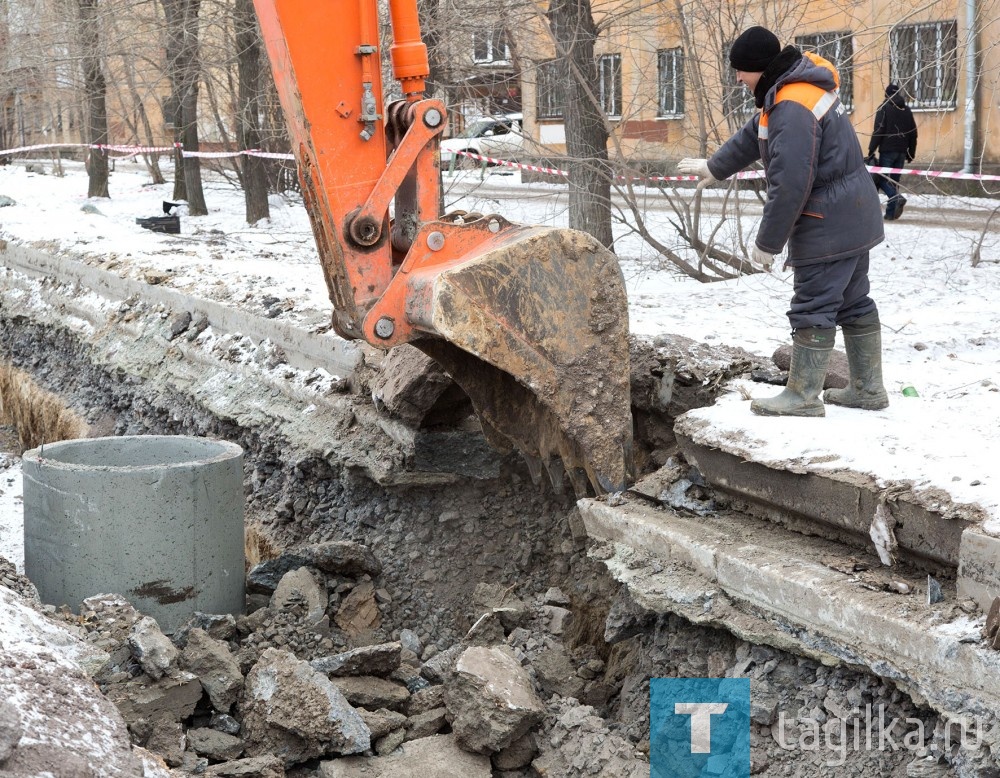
(175, 696)
(302, 589)
(839, 500)
(410, 385)
(338, 557)
(151, 648)
(74, 732)
(439, 756)
(979, 567)
(769, 586)
(371, 692)
(381, 660)
(215, 666)
(491, 700)
(296, 713)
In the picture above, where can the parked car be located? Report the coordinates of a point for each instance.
(499, 137)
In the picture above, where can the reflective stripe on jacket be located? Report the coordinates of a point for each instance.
(820, 197)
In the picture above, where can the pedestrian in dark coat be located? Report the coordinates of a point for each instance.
(895, 140)
(821, 204)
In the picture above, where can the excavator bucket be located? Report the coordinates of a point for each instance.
(534, 328)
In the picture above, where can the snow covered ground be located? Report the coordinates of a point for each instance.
(940, 314)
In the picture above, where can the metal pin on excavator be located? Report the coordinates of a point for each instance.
(531, 322)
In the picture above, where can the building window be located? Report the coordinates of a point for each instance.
(490, 45)
(739, 101)
(549, 101)
(609, 83)
(924, 62)
(838, 48)
(670, 82)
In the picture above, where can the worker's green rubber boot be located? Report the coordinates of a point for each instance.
(863, 343)
(811, 350)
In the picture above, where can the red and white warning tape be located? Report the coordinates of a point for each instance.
(747, 174)
(127, 152)
(131, 151)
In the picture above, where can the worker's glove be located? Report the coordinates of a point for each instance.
(697, 167)
(870, 160)
(762, 258)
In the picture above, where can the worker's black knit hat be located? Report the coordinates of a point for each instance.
(891, 90)
(754, 50)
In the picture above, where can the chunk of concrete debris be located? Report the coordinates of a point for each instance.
(381, 722)
(216, 668)
(556, 673)
(410, 385)
(934, 593)
(296, 713)
(214, 744)
(153, 650)
(555, 596)
(253, 767)
(441, 667)
(517, 755)
(76, 731)
(359, 614)
(338, 557)
(558, 618)
(219, 626)
(438, 756)
(141, 699)
(491, 700)
(511, 610)
(579, 736)
(380, 660)
(302, 591)
(368, 691)
(426, 724)
(11, 730)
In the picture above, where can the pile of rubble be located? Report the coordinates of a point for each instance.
(309, 683)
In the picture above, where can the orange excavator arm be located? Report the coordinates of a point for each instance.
(531, 322)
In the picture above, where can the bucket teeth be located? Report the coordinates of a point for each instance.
(557, 474)
(534, 467)
(578, 477)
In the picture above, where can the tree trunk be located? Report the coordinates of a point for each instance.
(574, 31)
(95, 88)
(249, 111)
(185, 75)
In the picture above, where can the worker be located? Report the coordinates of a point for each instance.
(895, 140)
(822, 205)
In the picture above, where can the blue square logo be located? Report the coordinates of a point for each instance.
(699, 727)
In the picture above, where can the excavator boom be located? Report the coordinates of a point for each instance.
(531, 322)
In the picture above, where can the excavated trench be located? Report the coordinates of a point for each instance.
(449, 551)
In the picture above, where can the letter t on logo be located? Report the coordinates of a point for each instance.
(701, 722)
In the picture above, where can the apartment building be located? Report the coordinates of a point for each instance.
(664, 83)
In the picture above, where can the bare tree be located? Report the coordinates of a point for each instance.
(95, 88)
(249, 110)
(575, 32)
(185, 73)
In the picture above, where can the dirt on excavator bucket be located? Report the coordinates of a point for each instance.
(536, 332)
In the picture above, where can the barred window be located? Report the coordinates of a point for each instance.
(609, 83)
(490, 45)
(924, 62)
(670, 82)
(838, 48)
(549, 98)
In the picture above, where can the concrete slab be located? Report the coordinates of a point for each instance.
(843, 500)
(770, 585)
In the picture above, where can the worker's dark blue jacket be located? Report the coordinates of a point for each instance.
(820, 198)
